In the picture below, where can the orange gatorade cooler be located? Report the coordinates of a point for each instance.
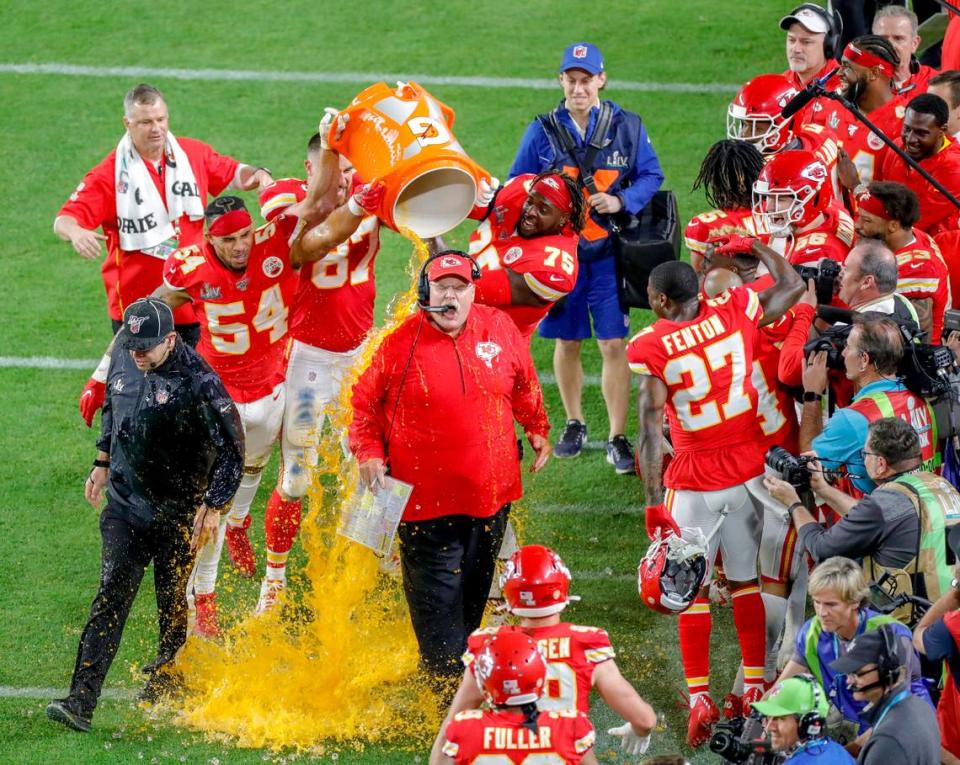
(401, 136)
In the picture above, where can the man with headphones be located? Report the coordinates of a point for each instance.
(904, 727)
(436, 408)
(796, 716)
(812, 47)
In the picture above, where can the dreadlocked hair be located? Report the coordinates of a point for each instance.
(728, 172)
(879, 46)
(577, 210)
(530, 715)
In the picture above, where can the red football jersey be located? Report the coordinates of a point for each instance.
(713, 223)
(333, 308)
(922, 275)
(548, 264)
(937, 213)
(487, 737)
(244, 313)
(814, 111)
(129, 276)
(917, 83)
(776, 411)
(706, 364)
(829, 235)
(860, 143)
(572, 653)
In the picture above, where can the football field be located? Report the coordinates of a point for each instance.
(252, 79)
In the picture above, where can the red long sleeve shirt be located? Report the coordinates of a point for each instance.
(440, 411)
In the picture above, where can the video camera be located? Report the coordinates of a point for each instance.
(740, 740)
(824, 277)
(924, 368)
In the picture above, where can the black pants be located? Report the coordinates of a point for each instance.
(189, 333)
(128, 547)
(448, 565)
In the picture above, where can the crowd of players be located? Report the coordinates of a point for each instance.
(281, 312)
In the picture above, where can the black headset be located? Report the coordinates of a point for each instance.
(831, 40)
(888, 663)
(811, 724)
(423, 282)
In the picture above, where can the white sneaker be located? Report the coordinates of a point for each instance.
(270, 590)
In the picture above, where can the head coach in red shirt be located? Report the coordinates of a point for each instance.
(436, 408)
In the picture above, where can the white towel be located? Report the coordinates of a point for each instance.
(145, 224)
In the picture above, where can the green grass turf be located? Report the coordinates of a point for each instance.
(55, 128)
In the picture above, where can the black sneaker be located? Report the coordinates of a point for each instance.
(620, 455)
(572, 441)
(66, 712)
(162, 684)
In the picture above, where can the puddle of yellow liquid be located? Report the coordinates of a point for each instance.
(337, 663)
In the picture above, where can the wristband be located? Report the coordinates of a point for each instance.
(810, 396)
(355, 209)
(793, 507)
(100, 373)
(265, 169)
(101, 463)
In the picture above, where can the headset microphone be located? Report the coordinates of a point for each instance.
(437, 308)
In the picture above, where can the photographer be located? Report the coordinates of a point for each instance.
(871, 358)
(937, 637)
(796, 715)
(898, 529)
(839, 593)
(904, 729)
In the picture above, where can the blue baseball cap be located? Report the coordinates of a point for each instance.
(582, 55)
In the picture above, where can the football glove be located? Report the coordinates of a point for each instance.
(659, 520)
(733, 244)
(630, 743)
(331, 116)
(366, 199)
(94, 392)
(486, 190)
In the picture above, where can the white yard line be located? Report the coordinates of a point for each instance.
(351, 78)
(14, 692)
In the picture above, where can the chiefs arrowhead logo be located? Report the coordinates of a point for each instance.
(448, 262)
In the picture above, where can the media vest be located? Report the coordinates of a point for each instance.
(909, 408)
(938, 506)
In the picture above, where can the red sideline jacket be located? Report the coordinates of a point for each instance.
(450, 426)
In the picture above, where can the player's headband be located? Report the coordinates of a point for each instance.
(554, 190)
(865, 58)
(868, 203)
(230, 223)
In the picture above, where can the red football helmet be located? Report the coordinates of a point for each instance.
(754, 115)
(535, 582)
(790, 191)
(509, 669)
(672, 572)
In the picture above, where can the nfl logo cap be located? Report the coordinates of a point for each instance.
(145, 323)
(582, 55)
(810, 19)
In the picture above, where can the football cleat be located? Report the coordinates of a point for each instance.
(732, 706)
(750, 696)
(239, 548)
(270, 590)
(703, 716)
(206, 624)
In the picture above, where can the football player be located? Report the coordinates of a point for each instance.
(536, 585)
(793, 202)
(526, 245)
(332, 313)
(511, 673)
(780, 560)
(888, 212)
(869, 65)
(695, 362)
(727, 175)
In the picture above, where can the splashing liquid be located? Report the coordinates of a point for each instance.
(339, 666)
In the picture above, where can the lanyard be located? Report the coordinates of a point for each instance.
(861, 622)
(893, 702)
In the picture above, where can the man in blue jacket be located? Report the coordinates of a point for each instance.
(625, 175)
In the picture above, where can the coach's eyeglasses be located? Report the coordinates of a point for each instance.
(864, 454)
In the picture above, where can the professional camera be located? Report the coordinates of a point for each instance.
(740, 741)
(951, 322)
(824, 277)
(789, 468)
(833, 341)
